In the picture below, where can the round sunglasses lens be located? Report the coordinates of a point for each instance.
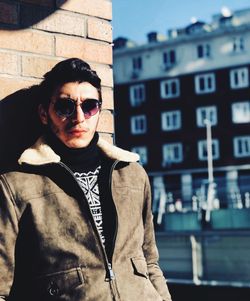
(90, 107)
(64, 107)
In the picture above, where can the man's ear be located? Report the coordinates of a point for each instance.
(43, 114)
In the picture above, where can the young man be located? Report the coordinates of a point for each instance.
(75, 217)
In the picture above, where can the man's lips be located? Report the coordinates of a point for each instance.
(77, 131)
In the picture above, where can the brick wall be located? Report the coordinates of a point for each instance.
(36, 34)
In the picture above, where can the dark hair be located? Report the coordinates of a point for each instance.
(70, 70)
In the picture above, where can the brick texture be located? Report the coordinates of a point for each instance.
(58, 22)
(106, 122)
(37, 66)
(46, 19)
(11, 85)
(99, 30)
(9, 63)
(98, 8)
(26, 41)
(107, 97)
(84, 49)
(8, 13)
(105, 73)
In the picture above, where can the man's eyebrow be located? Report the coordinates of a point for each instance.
(64, 97)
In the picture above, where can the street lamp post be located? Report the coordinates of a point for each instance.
(211, 184)
(209, 151)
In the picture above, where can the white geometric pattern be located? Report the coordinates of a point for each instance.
(89, 184)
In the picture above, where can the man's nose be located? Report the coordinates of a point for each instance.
(78, 115)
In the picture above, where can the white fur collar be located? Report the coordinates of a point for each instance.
(41, 153)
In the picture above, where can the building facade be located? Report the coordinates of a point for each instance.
(183, 103)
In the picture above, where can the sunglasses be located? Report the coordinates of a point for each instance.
(66, 107)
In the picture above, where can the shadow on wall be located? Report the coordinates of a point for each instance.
(19, 124)
(21, 15)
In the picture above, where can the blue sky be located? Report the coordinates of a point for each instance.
(135, 18)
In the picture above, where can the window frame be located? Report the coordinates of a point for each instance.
(238, 45)
(246, 111)
(169, 83)
(137, 63)
(237, 153)
(170, 126)
(134, 120)
(202, 145)
(206, 77)
(208, 110)
(169, 58)
(239, 72)
(203, 51)
(178, 159)
(135, 89)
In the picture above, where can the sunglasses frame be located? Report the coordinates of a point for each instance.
(87, 115)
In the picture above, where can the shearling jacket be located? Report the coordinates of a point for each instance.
(50, 248)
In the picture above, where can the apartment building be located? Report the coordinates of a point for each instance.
(169, 93)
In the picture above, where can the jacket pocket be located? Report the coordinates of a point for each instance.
(140, 266)
(60, 283)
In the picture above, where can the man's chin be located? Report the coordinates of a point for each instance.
(77, 143)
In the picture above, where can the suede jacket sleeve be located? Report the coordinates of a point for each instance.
(8, 234)
(150, 249)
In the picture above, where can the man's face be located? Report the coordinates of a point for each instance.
(74, 131)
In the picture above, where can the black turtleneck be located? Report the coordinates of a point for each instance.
(77, 159)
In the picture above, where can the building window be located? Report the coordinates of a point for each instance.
(136, 67)
(241, 112)
(205, 83)
(239, 78)
(138, 124)
(209, 113)
(142, 151)
(169, 59)
(137, 63)
(172, 153)
(137, 95)
(171, 120)
(242, 146)
(203, 51)
(202, 149)
(170, 88)
(238, 44)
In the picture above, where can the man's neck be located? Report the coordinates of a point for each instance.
(78, 159)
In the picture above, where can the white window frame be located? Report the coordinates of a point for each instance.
(168, 62)
(138, 124)
(169, 151)
(241, 112)
(209, 83)
(171, 120)
(202, 150)
(169, 83)
(137, 95)
(142, 151)
(238, 45)
(245, 146)
(205, 51)
(239, 78)
(209, 113)
(136, 66)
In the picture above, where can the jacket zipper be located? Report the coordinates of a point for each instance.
(107, 263)
(111, 272)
